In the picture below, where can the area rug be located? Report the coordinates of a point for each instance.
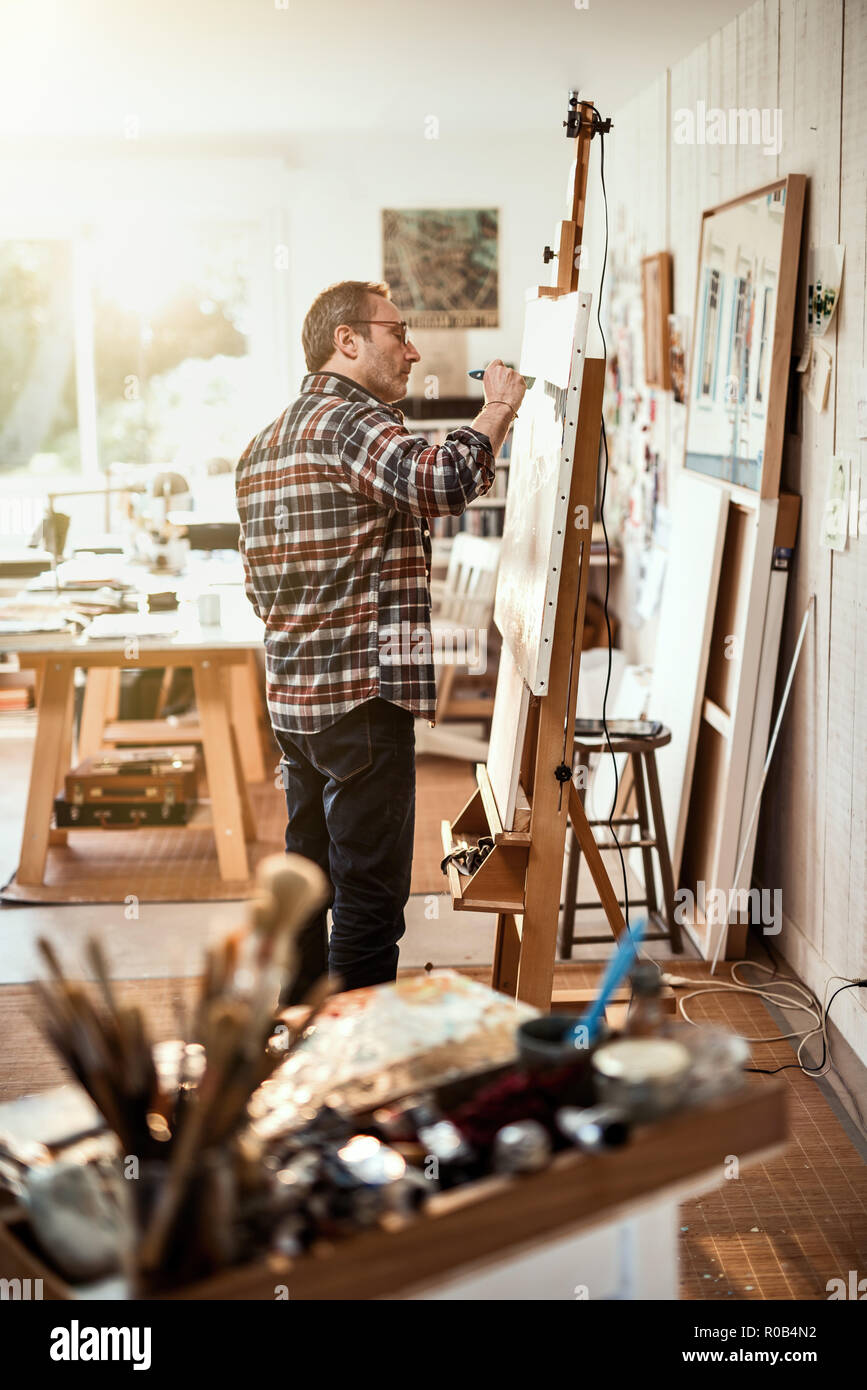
(160, 866)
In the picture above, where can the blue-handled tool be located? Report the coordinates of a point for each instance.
(585, 1030)
(478, 375)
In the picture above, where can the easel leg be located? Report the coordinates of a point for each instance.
(570, 898)
(507, 954)
(607, 895)
(581, 760)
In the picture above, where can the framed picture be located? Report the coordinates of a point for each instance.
(678, 333)
(442, 265)
(742, 337)
(656, 298)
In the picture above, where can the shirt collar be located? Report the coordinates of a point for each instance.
(335, 384)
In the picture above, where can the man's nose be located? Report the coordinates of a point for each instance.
(412, 352)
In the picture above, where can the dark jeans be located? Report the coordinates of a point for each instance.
(350, 795)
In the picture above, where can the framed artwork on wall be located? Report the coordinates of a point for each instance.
(656, 298)
(442, 265)
(742, 339)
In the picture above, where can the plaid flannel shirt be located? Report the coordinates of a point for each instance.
(334, 498)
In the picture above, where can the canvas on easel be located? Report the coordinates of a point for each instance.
(508, 727)
(536, 521)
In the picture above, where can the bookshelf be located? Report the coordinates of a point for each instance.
(484, 516)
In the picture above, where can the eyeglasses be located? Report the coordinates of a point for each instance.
(401, 326)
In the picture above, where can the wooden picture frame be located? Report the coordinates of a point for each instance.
(741, 349)
(656, 296)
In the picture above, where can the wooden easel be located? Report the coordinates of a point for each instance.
(521, 876)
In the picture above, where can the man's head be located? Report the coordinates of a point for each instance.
(353, 328)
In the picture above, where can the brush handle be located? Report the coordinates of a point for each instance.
(478, 374)
(616, 969)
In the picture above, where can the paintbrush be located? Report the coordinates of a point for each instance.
(478, 374)
(50, 957)
(221, 1035)
(291, 889)
(589, 1022)
(99, 965)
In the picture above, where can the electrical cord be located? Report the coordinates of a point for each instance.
(822, 1068)
(827, 1063)
(740, 986)
(598, 129)
(819, 1014)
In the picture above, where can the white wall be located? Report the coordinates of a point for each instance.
(336, 199)
(809, 59)
(322, 202)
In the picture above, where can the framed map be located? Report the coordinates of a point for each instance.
(442, 265)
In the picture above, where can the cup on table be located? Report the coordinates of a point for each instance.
(209, 610)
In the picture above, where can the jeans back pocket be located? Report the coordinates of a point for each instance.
(344, 750)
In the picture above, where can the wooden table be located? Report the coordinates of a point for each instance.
(227, 699)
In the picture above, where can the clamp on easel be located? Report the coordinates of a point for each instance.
(582, 122)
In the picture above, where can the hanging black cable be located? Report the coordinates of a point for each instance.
(599, 128)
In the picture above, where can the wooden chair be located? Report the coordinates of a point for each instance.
(461, 612)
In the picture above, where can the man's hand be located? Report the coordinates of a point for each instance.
(502, 384)
(504, 391)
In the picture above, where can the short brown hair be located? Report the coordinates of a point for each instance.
(345, 302)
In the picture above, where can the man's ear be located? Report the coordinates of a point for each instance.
(345, 341)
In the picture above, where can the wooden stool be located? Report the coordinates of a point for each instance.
(641, 752)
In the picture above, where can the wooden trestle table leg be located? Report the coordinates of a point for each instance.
(224, 786)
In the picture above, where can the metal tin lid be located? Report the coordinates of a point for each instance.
(642, 1059)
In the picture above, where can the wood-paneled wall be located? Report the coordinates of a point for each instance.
(808, 59)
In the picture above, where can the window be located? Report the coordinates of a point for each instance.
(171, 335)
(738, 376)
(710, 335)
(128, 345)
(38, 400)
(765, 330)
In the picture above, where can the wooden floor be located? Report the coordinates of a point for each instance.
(777, 1231)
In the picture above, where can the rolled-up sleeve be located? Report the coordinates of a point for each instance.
(398, 470)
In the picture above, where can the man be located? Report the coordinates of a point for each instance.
(333, 499)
